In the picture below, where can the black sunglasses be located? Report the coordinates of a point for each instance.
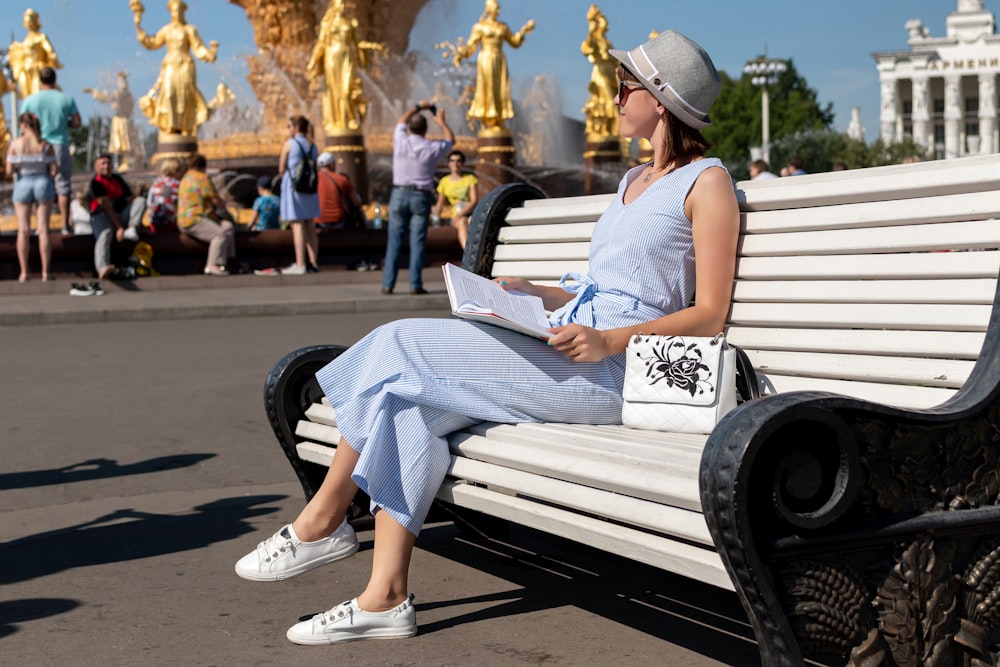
(626, 89)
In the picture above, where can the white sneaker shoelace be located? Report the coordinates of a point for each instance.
(342, 610)
(279, 543)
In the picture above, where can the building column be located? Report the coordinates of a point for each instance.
(889, 113)
(922, 135)
(952, 116)
(987, 113)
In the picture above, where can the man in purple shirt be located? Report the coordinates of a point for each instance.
(414, 160)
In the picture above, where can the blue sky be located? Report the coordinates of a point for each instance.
(830, 43)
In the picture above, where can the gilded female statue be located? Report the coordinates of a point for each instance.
(337, 56)
(600, 110)
(492, 104)
(174, 104)
(122, 104)
(29, 56)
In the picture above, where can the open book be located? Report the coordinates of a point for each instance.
(476, 298)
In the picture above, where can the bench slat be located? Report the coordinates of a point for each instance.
(543, 251)
(318, 432)
(930, 317)
(925, 179)
(902, 396)
(979, 206)
(568, 232)
(600, 201)
(663, 481)
(864, 368)
(962, 291)
(539, 270)
(615, 506)
(951, 344)
(982, 264)
(679, 557)
(905, 238)
(626, 441)
(321, 413)
(568, 212)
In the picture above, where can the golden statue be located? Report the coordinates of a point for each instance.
(492, 104)
(31, 55)
(600, 110)
(5, 86)
(174, 104)
(337, 56)
(122, 104)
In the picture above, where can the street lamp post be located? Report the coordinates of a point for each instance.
(764, 72)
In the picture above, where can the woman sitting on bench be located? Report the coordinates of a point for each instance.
(402, 389)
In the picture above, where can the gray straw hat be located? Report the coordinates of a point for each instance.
(678, 73)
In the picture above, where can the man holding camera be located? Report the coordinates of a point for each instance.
(414, 160)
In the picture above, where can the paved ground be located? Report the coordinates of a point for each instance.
(137, 466)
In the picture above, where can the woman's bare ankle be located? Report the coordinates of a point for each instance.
(380, 602)
(310, 528)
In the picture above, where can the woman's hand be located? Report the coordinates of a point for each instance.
(580, 343)
(516, 284)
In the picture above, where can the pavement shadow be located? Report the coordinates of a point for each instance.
(96, 469)
(129, 534)
(13, 612)
(555, 573)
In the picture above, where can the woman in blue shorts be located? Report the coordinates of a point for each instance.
(33, 164)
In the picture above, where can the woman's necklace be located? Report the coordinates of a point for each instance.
(650, 171)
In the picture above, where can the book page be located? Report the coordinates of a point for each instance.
(472, 294)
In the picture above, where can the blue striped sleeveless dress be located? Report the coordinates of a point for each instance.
(404, 387)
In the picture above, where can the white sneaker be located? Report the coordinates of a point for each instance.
(284, 555)
(348, 622)
(131, 234)
(293, 270)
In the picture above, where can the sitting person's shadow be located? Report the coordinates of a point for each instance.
(96, 469)
(128, 534)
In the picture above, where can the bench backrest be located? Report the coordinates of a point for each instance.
(875, 283)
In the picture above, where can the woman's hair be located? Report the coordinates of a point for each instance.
(31, 122)
(170, 166)
(301, 123)
(198, 162)
(681, 143)
(459, 154)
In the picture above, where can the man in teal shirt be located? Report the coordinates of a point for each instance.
(57, 113)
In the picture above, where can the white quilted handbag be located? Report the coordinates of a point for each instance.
(678, 383)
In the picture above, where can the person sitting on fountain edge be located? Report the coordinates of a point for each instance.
(335, 190)
(113, 206)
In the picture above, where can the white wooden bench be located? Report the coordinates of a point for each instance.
(854, 506)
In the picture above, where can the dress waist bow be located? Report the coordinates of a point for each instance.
(584, 290)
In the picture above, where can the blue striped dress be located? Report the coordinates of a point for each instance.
(404, 387)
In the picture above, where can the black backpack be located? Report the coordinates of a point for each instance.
(304, 176)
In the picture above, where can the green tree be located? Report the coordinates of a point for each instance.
(819, 149)
(736, 116)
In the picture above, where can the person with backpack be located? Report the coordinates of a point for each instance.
(299, 200)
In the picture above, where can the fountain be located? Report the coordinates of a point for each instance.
(548, 146)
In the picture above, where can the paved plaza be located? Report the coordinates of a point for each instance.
(138, 465)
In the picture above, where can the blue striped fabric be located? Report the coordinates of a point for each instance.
(403, 388)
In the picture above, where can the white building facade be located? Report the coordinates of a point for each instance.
(942, 92)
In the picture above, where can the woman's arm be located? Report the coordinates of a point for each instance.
(53, 166)
(283, 158)
(715, 224)
(8, 167)
(473, 196)
(552, 297)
